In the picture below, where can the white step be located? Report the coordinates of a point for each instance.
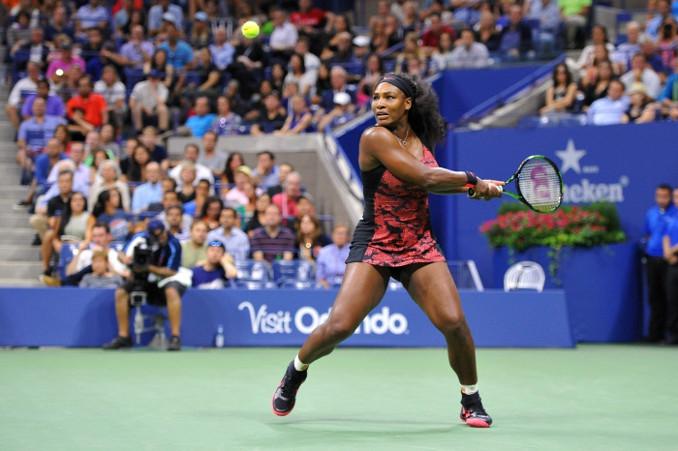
(21, 270)
(20, 283)
(20, 236)
(19, 252)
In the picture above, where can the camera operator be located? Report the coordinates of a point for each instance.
(154, 257)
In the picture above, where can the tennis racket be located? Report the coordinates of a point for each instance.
(538, 184)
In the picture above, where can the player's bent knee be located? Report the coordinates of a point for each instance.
(339, 329)
(450, 323)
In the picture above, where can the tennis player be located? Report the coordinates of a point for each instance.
(394, 239)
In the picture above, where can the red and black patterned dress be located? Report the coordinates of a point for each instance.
(395, 229)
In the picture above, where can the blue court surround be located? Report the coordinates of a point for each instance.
(75, 317)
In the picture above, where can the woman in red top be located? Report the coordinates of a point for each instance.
(394, 238)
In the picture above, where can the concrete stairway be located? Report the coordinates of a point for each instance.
(19, 261)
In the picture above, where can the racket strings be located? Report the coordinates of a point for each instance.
(540, 185)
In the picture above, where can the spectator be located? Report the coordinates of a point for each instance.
(46, 217)
(653, 27)
(440, 58)
(33, 49)
(137, 50)
(46, 161)
(516, 37)
(233, 162)
(101, 277)
(34, 133)
(165, 72)
(74, 162)
(627, 50)
(330, 265)
(575, 15)
(596, 88)
(149, 192)
(248, 65)
(310, 237)
(547, 12)
(234, 239)
(284, 169)
(340, 114)
(194, 249)
(64, 65)
(598, 38)
(211, 213)
(641, 109)
(201, 35)
(210, 157)
(338, 84)
(61, 133)
(148, 102)
(54, 106)
(297, 74)
(307, 18)
(272, 241)
(216, 270)
(221, 50)
(561, 95)
(266, 173)
(641, 73)
(339, 52)
(72, 225)
(666, 44)
(23, 88)
(469, 53)
(486, 31)
(286, 201)
(257, 219)
(284, 35)
(81, 264)
(610, 109)
(311, 61)
(202, 192)
(108, 210)
(19, 30)
(164, 264)
(59, 24)
(174, 223)
(299, 120)
(86, 111)
(108, 142)
(204, 77)
(409, 21)
(149, 138)
(272, 118)
(113, 91)
(435, 29)
(159, 13)
(179, 52)
(201, 122)
(669, 96)
(136, 170)
(187, 191)
(191, 155)
(227, 123)
(170, 199)
(91, 15)
(236, 197)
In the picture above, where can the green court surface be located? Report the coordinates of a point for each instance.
(591, 398)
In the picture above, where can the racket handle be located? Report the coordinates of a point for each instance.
(472, 194)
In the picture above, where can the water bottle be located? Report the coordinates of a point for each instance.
(219, 338)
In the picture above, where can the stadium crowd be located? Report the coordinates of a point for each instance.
(98, 86)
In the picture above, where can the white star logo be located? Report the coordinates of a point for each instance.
(570, 157)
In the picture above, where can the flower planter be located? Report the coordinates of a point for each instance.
(602, 287)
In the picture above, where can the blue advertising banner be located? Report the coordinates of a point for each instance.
(621, 164)
(85, 317)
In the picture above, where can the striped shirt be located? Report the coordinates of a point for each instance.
(272, 247)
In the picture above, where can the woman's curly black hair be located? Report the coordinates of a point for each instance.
(424, 115)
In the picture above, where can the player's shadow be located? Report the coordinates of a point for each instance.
(365, 426)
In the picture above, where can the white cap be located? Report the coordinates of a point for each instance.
(342, 98)
(361, 41)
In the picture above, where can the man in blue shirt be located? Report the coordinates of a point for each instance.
(155, 282)
(92, 15)
(655, 226)
(216, 270)
(235, 240)
(163, 11)
(201, 122)
(46, 161)
(331, 262)
(670, 245)
(179, 52)
(54, 105)
(611, 109)
(34, 133)
(149, 192)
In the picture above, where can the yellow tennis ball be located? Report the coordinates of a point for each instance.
(250, 29)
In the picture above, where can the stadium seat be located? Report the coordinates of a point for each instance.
(293, 274)
(525, 275)
(254, 275)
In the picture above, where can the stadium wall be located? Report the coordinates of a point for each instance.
(283, 317)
